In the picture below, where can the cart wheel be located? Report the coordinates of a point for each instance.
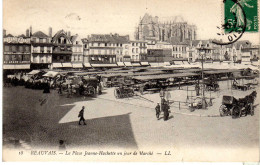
(251, 109)
(235, 112)
(91, 90)
(223, 110)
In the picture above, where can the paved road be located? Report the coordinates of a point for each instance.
(125, 124)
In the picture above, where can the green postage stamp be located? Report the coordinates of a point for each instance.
(241, 15)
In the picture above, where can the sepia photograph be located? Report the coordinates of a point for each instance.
(130, 80)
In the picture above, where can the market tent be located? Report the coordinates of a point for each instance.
(164, 76)
(33, 72)
(51, 74)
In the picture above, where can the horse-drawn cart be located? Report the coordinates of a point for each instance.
(237, 107)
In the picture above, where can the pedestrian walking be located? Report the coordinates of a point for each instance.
(60, 88)
(81, 115)
(157, 110)
(165, 109)
(69, 90)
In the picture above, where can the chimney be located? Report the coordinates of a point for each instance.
(69, 33)
(50, 32)
(30, 31)
(27, 33)
(4, 32)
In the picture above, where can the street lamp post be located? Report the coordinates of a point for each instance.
(202, 51)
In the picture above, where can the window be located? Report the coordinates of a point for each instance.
(133, 44)
(14, 48)
(26, 57)
(136, 50)
(133, 50)
(121, 45)
(105, 44)
(59, 40)
(49, 49)
(77, 42)
(6, 48)
(42, 49)
(65, 41)
(20, 48)
(6, 58)
(27, 48)
(41, 40)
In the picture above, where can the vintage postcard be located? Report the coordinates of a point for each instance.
(131, 80)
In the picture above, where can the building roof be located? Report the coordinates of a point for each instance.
(39, 34)
(55, 37)
(195, 42)
(22, 35)
(109, 38)
(73, 38)
(9, 35)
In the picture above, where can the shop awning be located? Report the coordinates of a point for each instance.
(136, 64)
(120, 64)
(57, 65)
(103, 65)
(145, 64)
(87, 65)
(16, 66)
(77, 65)
(67, 65)
(127, 63)
(166, 64)
(178, 62)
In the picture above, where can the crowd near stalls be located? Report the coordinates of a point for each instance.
(143, 80)
(64, 82)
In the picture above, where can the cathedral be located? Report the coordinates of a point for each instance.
(165, 30)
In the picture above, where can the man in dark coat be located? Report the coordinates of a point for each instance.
(165, 109)
(81, 115)
(197, 89)
(157, 110)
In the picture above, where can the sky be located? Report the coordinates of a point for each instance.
(85, 17)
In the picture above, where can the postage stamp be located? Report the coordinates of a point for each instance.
(240, 13)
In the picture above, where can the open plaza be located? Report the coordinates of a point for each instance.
(33, 119)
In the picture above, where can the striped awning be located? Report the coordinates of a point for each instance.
(77, 65)
(120, 64)
(87, 65)
(57, 65)
(67, 65)
(145, 64)
(103, 65)
(16, 66)
(136, 64)
(127, 63)
(166, 64)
